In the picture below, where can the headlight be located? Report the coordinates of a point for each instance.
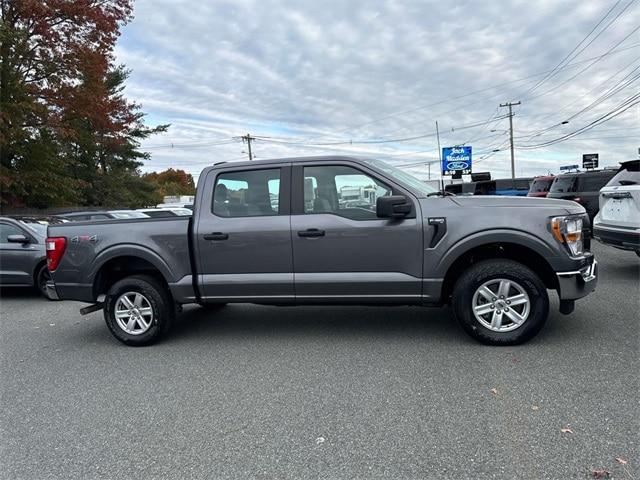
(568, 231)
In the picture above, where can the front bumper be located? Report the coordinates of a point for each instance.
(626, 239)
(578, 283)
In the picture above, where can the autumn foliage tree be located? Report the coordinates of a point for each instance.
(67, 133)
(172, 182)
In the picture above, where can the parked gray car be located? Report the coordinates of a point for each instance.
(23, 261)
(278, 232)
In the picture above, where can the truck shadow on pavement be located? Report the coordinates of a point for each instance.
(245, 320)
(20, 292)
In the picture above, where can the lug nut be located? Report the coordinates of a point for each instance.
(493, 306)
(499, 311)
(494, 299)
(501, 296)
(506, 309)
(508, 302)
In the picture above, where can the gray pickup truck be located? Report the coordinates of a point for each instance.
(330, 230)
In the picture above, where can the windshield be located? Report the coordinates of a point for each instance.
(541, 185)
(418, 186)
(564, 184)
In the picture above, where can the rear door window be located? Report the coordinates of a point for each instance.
(247, 193)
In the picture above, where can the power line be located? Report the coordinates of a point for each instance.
(597, 59)
(567, 57)
(475, 92)
(189, 145)
(620, 109)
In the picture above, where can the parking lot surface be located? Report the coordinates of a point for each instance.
(323, 392)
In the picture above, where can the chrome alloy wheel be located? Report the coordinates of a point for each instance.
(133, 313)
(501, 305)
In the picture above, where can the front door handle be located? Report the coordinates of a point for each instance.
(216, 236)
(311, 232)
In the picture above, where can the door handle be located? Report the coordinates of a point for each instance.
(311, 232)
(216, 236)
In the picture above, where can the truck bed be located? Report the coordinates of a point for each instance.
(92, 245)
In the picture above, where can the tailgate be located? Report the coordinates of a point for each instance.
(620, 206)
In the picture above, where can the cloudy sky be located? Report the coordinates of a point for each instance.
(372, 77)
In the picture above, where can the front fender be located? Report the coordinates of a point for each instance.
(488, 237)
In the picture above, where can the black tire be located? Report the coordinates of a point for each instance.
(480, 273)
(42, 277)
(159, 299)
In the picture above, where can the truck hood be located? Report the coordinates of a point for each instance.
(547, 204)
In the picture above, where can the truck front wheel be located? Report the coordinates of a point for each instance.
(138, 310)
(500, 302)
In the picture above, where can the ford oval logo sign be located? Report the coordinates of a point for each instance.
(458, 165)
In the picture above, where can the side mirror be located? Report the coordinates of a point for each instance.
(393, 206)
(17, 239)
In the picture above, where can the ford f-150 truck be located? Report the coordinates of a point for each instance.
(329, 230)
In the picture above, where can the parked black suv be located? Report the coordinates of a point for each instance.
(581, 187)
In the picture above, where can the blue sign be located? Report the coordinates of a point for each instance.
(567, 168)
(456, 159)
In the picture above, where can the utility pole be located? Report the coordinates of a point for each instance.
(440, 157)
(513, 161)
(247, 138)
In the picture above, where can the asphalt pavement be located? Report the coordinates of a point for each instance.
(323, 392)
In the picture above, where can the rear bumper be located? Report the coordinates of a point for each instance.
(578, 283)
(626, 239)
(73, 291)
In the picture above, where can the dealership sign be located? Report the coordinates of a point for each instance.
(456, 160)
(590, 160)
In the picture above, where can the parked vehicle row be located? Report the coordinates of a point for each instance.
(515, 187)
(125, 214)
(581, 187)
(279, 232)
(23, 259)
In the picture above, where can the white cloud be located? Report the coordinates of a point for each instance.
(334, 70)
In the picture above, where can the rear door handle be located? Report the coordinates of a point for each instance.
(216, 236)
(311, 232)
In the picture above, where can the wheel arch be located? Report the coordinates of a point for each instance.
(36, 270)
(118, 263)
(518, 246)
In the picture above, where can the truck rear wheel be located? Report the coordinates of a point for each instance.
(500, 302)
(138, 310)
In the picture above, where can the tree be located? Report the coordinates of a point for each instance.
(66, 130)
(172, 182)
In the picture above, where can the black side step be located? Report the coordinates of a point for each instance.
(92, 308)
